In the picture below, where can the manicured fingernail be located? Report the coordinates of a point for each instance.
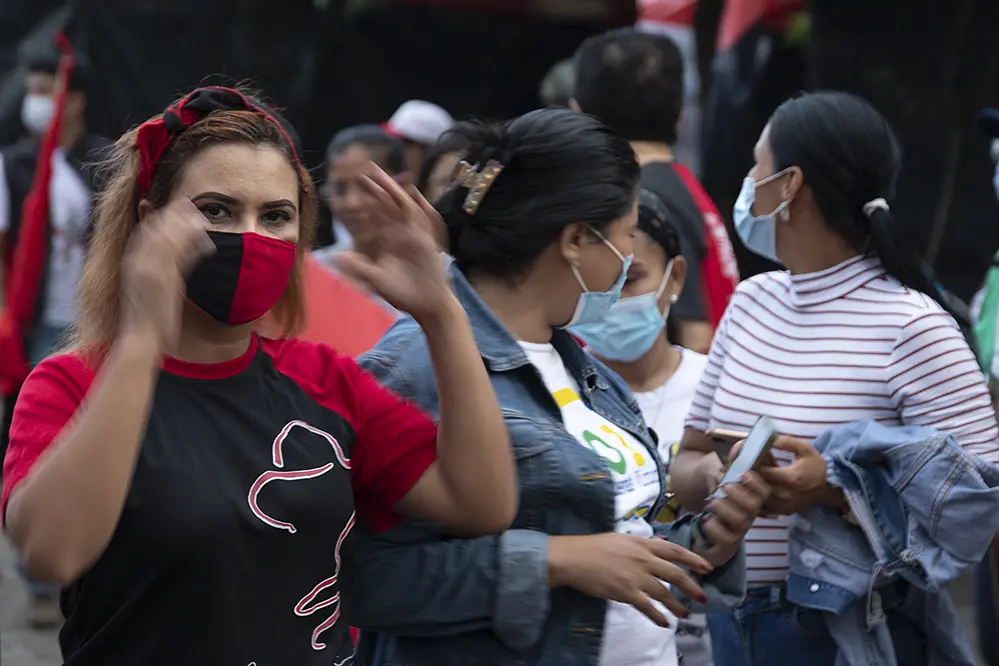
(703, 598)
(708, 517)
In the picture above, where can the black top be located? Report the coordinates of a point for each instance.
(229, 545)
(662, 179)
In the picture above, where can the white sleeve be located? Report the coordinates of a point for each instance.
(4, 200)
(935, 382)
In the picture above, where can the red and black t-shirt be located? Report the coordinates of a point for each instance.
(229, 545)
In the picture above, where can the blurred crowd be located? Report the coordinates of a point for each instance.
(580, 436)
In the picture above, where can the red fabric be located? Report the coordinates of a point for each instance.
(264, 271)
(154, 136)
(396, 442)
(340, 315)
(719, 269)
(353, 635)
(29, 257)
(607, 10)
(679, 12)
(739, 17)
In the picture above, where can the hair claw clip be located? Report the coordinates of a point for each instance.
(478, 181)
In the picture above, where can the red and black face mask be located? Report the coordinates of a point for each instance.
(245, 277)
(248, 273)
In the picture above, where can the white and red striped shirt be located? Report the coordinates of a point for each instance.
(841, 345)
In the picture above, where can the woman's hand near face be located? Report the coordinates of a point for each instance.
(628, 569)
(728, 517)
(164, 249)
(408, 272)
(802, 484)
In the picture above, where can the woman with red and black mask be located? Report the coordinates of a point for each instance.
(193, 483)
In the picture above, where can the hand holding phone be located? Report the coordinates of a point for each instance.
(753, 451)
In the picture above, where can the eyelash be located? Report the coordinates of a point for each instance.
(282, 216)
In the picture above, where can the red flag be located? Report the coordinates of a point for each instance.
(341, 315)
(29, 257)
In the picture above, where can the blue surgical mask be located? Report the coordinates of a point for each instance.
(758, 232)
(593, 306)
(630, 328)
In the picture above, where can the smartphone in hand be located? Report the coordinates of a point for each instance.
(753, 453)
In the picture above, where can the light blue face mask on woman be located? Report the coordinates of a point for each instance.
(593, 306)
(758, 232)
(630, 328)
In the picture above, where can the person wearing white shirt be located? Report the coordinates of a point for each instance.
(633, 339)
(70, 200)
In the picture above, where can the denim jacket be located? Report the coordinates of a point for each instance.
(422, 599)
(925, 510)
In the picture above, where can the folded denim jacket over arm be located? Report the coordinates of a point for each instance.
(925, 509)
(423, 599)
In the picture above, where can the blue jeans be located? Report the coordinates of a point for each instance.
(42, 342)
(768, 630)
(986, 613)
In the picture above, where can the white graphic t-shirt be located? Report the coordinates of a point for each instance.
(665, 409)
(630, 638)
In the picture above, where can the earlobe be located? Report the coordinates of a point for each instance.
(144, 209)
(674, 286)
(574, 105)
(793, 184)
(570, 242)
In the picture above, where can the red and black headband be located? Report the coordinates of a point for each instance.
(154, 136)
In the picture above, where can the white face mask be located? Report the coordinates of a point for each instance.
(36, 113)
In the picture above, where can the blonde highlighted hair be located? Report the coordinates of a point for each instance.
(116, 217)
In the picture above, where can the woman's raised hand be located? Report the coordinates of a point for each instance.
(163, 250)
(408, 272)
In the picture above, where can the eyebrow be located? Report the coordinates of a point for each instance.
(218, 196)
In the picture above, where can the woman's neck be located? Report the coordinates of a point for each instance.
(650, 151)
(652, 369)
(521, 308)
(205, 340)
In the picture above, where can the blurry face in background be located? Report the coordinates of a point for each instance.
(39, 103)
(348, 201)
(413, 156)
(442, 176)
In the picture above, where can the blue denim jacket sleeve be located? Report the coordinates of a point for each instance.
(726, 586)
(412, 582)
(446, 587)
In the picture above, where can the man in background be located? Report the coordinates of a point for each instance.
(71, 190)
(634, 82)
(419, 124)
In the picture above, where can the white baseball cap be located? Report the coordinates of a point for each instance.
(419, 121)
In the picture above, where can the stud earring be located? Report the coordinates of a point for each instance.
(674, 298)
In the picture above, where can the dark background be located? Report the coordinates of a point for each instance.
(929, 65)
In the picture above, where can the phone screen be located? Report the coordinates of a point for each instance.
(759, 441)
